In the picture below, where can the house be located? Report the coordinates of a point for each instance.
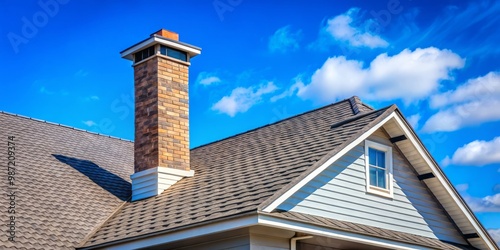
(344, 176)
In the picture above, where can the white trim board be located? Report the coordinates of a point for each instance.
(253, 220)
(211, 228)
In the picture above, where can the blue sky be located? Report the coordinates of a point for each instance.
(262, 62)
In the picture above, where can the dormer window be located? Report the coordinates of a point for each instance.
(378, 162)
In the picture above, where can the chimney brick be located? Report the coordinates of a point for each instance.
(161, 114)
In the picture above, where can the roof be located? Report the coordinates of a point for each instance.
(69, 181)
(78, 194)
(235, 175)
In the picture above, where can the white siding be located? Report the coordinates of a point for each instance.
(270, 238)
(339, 192)
(259, 242)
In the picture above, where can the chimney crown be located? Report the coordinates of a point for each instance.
(167, 34)
(164, 42)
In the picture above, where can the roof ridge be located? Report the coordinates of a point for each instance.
(62, 125)
(270, 124)
(358, 106)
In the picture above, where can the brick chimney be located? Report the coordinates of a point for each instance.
(161, 147)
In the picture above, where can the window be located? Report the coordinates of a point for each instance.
(378, 161)
(177, 54)
(143, 54)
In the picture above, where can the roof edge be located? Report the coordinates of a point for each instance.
(144, 236)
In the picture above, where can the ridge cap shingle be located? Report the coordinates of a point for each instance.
(355, 102)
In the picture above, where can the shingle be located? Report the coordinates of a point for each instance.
(237, 174)
(73, 180)
(58, 201)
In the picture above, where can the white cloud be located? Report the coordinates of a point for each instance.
(290, 91)
(206, 78)
(409, 75)
(490, 203)
(242, 99)
(342, 28)
(94, 98)
(487, 86)
(284, 40)
(467, 105)
(476, 153)
(462, 187)
(413, 120)
(495, 234)
(89, 123)
(44, 90)
(493, 199)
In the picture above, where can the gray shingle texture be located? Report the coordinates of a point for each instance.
(58, 172)
(237, 174)
(74, 185)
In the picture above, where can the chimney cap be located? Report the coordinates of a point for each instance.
(167, 34)
(163, 37)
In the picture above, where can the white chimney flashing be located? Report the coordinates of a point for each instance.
(154, 181)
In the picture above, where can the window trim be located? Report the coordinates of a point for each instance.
(386, 192)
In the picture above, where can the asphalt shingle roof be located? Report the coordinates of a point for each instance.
(235, 175)
(74, 185)
(68, 182)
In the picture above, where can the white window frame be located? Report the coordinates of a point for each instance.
(386, 192)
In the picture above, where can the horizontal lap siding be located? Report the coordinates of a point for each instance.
(339, 192)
